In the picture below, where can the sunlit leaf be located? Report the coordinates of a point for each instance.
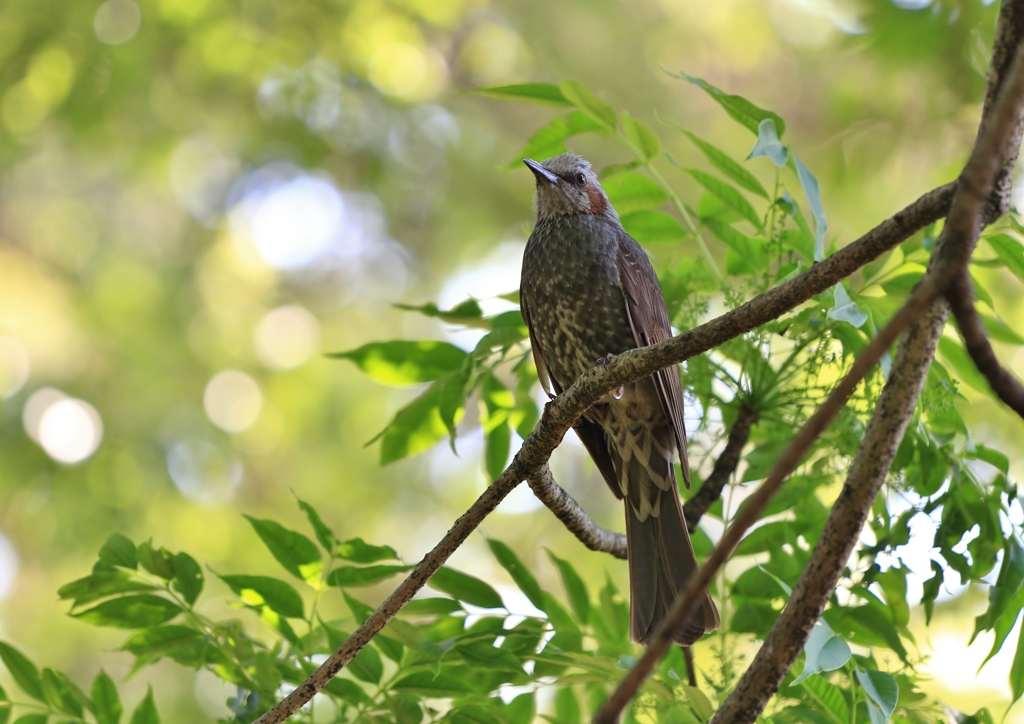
(273, 593)
(100, 585)
(465, 588)
(653, 227)
(549, 140)
(414, 428)
(642, 137)
(145, 712)
(581, 97)
(57, 690)
(728, 194)
(323, 534)
(631, 192)
(163, 640)
(1010, 251)
(882, 692)
(739, 109)
(545, 93)
(829, 697)
(575, 589)
(138, 611)
(22, 670)
(118, 551)
(297, 553)
(729, 167)
(519, 572)
(359, 551)
(106, 701)
(467, 313)
(404, 362)
(352, 576)
(188, 577)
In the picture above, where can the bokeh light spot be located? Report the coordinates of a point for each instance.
(117, 21)
(398, 68)
(286, 337)
(296, 223)
(70, 430)
(203, 472)
(8, 566)
(15, 365)
(232, 400)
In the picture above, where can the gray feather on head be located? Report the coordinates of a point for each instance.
(566, 184)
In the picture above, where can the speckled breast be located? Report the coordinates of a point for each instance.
(571, 285)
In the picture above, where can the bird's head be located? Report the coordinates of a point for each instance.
(566, 185)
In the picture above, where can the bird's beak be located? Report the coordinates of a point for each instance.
(540, 172)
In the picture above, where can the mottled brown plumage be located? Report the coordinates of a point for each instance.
(588, 291)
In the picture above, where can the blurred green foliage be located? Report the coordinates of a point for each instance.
(197, 198)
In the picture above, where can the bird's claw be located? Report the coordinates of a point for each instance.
(602, 362)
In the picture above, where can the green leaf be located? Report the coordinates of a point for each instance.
(23, 671)
(653, 227)
(931, 592)
(567, 708)
(993, 457)
(348, 691)
(188, 577)
(100, 585)
(883, 694)
(358, 551)
(845, 309)
(139, 611)
(699, 701)
(405, 362)
(729, 167)
(728, 195)
(642, 137)
(824, 651)
(360, 610)
(1009, 251)
(629, 192)
(768, 144)
(105, 700)
(519, 573)
(367, 665)
(406, 708)
(956, 356)
(575, 589)
(430, 607)
(275, 594)
(352, 577)
(1006, 588)
(426, 684)
(162, 640)
(467, 312)
(30, 718)
(582, 98)
(998, 329)
(119, 551)
(465, 588)
(549, 140)
(57, 692)
(145, 712)
(414, 428)
(546, 93)
(156, 560)
(829, 697)
(498, 444)
(323, 534)
(297, 553)
(739, 109)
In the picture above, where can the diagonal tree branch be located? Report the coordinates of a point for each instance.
(978, 182)
(751, 511)
(725, 466)
(560, 414)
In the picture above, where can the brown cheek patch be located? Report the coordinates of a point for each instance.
(598, 201)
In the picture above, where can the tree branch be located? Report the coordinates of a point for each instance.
(756, 503)
(725, 466)
(567, 510)
(1004, 384)
(560, 414)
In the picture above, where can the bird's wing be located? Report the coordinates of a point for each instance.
(589, 432)
(645, 307)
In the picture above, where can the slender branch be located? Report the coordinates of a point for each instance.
(725, 466)
(751, 511)
(560, 414)
(971, 209)
(567, 510)
(1004, 384)
(602, 540)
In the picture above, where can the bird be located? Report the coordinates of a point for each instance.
(588, 292)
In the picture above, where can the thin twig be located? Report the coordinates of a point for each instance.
(751, 511)
(1004, 384)
(573, 517)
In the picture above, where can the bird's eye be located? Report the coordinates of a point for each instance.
(581, 180)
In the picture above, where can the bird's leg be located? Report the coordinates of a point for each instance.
(603, 361)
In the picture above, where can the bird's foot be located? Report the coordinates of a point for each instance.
(602, 362)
